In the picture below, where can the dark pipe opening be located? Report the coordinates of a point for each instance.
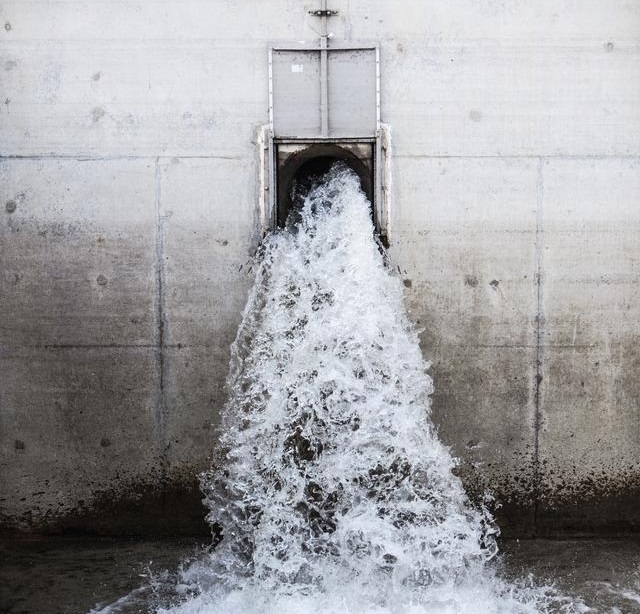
(299, 171)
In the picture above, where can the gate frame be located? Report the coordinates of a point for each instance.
(268, 143)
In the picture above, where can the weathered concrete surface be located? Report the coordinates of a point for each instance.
(128, 191)
(590, 351)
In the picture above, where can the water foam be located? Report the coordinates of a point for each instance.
(331, 489)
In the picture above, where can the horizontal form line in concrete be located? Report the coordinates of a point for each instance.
(89, 158)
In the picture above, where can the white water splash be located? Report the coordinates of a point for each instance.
(333, 493)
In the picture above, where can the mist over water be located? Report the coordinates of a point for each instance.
(331, 488)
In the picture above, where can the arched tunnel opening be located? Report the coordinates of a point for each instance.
(298, 168)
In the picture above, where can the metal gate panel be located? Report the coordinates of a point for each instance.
(295, 91)
(352, 86)
(324, 93)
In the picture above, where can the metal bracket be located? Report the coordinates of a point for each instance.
(323, 13)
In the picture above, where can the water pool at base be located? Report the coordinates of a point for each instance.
(79, 575)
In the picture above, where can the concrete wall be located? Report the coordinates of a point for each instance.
(128, 190)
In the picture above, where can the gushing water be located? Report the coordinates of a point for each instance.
(332, 491)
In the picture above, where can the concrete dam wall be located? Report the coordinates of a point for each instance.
(129, 190)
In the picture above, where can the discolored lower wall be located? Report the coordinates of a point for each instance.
(128, 217)
(119, 309)
(531, 324)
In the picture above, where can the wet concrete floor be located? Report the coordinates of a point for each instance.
(81, 575)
